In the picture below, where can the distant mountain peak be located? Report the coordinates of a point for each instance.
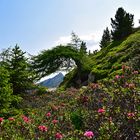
(54, 81)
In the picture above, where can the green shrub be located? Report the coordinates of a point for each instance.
(77, 119)
(100, 74)
(5, 89)
(41, 90)
(8, 101)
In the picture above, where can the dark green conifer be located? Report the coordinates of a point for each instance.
(83, 48)
(16, 63)
(106, 38)
(122, 24)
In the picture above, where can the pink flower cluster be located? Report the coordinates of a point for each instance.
(135, 72)
(48, 114)
(26, 119)
(117, 76)
(130, 85)
(58, 136)
(101, 110)
(11, 119)
(89, 134)
(130, 114)
(42, 128)
(1, 120)
(54, 121)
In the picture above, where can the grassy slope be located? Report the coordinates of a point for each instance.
(115, 54)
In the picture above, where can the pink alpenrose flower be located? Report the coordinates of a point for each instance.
(1, 120)
(135, 72)
(131, 114)
(117, 76)
(11, 119)
(89, 134)
(101, 110)
(42, 128)
(58, 136)
(54, 121)
(48, 114)
(26, 119)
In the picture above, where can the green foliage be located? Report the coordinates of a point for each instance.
(116, 54)
(114, 72)
(122, 24)
(68, 80)
(106, 38)
(75, 41)
(50, 61)
(77, 119)
(8, 101)
(100, 74)
(60, 57)
(16, 63)
(83, 48)
(135, 62)
(5, 89)
(41, 90)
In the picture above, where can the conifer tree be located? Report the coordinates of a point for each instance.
(75, 41)
(122, 24)
(78, 44)
(106, 38)
(83, 48)
(16, 63)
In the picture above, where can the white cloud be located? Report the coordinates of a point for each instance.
(94, 47)
(63, 40)
(91, 39)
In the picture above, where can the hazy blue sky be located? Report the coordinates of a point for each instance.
(41, 24)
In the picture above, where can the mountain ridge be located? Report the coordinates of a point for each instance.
(53, 82)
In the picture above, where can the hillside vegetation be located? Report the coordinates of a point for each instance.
(118, 53)
(103, 111)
